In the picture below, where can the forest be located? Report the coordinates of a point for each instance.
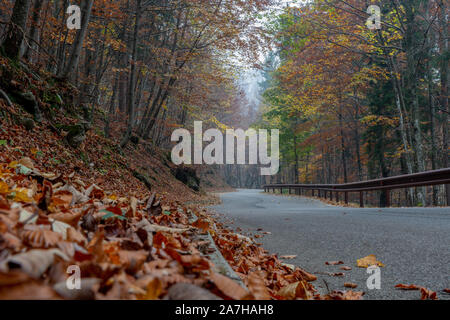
(91, 92)
(353, 103)
(359, 103)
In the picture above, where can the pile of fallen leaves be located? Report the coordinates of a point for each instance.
(125, 248)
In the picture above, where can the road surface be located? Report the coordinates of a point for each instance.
(413, 243)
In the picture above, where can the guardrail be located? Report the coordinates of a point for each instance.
(422, 179)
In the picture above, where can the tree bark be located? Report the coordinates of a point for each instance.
(79, 40)
(132, 83)
(17, 29)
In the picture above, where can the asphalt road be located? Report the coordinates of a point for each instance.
(413, 243)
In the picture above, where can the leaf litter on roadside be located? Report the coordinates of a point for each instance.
(125, 247)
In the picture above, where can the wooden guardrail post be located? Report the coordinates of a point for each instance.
(346, 197)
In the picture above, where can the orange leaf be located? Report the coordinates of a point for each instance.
(350, 285)
(407, 287)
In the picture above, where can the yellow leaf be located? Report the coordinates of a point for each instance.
(368, 261)
(154, 290)
(4, 188)
(23, 195)
(13, 164)
(113, 197)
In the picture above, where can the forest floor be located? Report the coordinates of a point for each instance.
(120, 217)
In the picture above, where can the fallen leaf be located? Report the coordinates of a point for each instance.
(70, 218)
(350, 285)
(41, 238)
(27, 162)
(428, 294)
(33, 262)
(344, 295)
(23, 195)
(407, 287)
(228, 287)
(297, 290)
(4, 188)
(288, 257)
(337, 274)
(201, 224)
(154, 290)
(257, 287)
(334, 263)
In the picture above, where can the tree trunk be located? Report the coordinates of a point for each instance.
(17, 29)
(34, 31)
(132, 83)
(78, 43)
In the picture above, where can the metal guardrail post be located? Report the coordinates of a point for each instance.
(361, 199)
(388, 198)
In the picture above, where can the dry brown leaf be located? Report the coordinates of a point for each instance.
(350, 285)
(74, 235)
(334, 263)
(41, 238)
(228, 287)
(132, 260)
(27, 162)
(70, 218)
(407, 287)
(288, 257)
(61, 199)
(428, 294)
(306, 275)
(202, 224)
(344, 295)
(297, 290)
(257, 287)
(34, 262)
